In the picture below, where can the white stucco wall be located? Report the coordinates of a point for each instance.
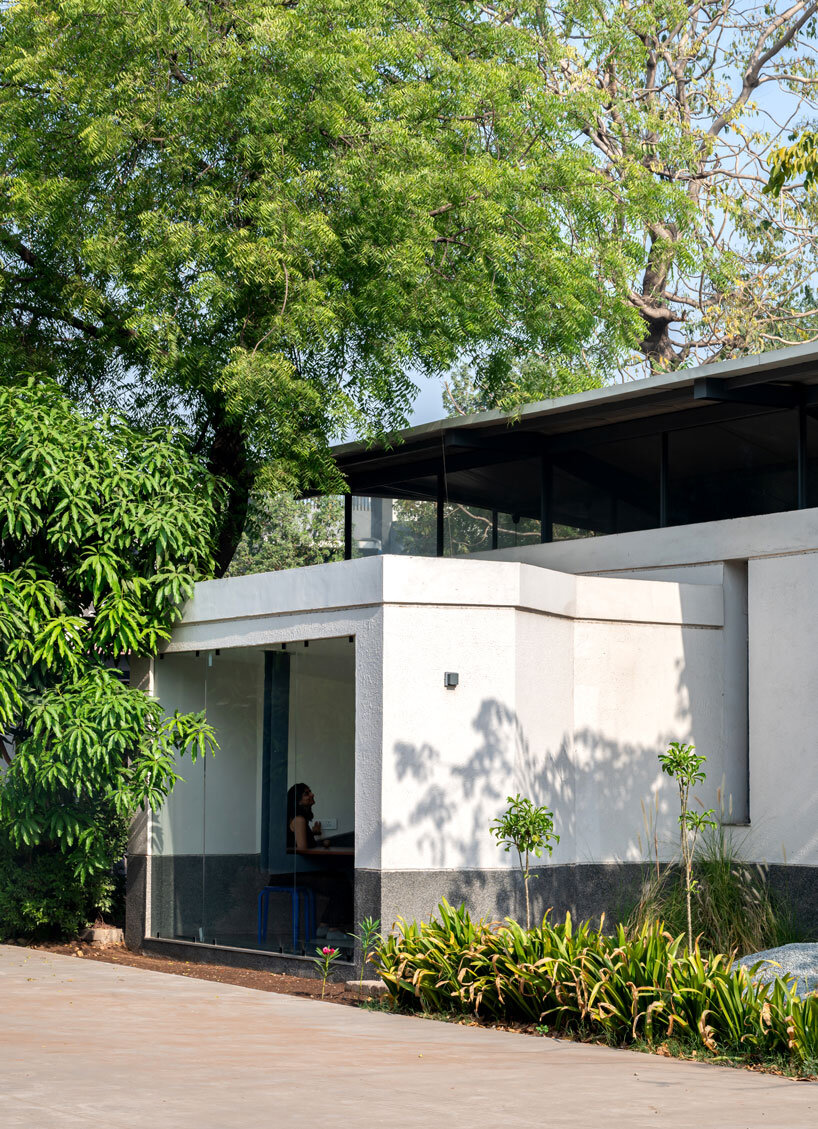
(783, 613)
(449, 756)
(636, 688)
(569, 687)
(572, 680)
(768, 568)
(555, 701)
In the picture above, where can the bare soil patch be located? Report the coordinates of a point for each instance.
(220, 973)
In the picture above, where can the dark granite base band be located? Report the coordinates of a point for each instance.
(797, 890)
(210, 904)
(586, 890)
(136, 907)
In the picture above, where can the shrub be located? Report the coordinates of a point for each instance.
(685, 766)
(530, 830)
(732, 907)
(645, 986)
(104, 531)
(41, 897)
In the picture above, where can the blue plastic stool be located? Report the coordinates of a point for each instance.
(296, 893)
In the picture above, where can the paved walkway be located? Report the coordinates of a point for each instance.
(97, 1044)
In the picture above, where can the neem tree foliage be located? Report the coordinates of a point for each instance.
(257, 218)
(103, 532)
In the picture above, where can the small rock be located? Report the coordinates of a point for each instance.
(367, 989)
(100, 935)
(791, 961)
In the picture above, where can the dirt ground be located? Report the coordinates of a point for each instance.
(220, 973)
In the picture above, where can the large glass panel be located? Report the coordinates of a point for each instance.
(255, 846)
(371, 526)
(607, 488)
(514, 530)
(466, 529)
(733, 469)
(321, 790)
(387, 525)
(393, 525)
(232, 797)
(414, 528)
(177, 830)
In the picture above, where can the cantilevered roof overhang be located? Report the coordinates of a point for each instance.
(613, 439)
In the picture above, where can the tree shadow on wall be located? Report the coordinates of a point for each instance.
(453, 802)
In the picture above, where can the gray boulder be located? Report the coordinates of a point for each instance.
(799, 961)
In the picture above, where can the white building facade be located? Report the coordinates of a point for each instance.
(413, 695)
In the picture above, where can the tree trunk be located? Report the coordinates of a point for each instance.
(656, 346)
(228, 460)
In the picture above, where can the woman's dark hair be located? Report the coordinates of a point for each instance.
(294, 805)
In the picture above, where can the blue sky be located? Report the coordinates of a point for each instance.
(429, 401)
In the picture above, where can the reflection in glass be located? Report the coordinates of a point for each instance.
(733, 469)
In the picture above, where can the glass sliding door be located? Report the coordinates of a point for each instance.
(321, 789)
(177, 830)
(255, 847)
(232, 792)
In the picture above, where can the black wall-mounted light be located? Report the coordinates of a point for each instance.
(451, 679)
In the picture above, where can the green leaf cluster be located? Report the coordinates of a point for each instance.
(103, 533)
(259, 218)
(799, 159)
(618, 986)
(526, 827)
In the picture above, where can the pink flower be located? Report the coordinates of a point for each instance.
(327, 951)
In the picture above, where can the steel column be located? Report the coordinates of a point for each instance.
(546, 499)
(347, 527)
(441, 499)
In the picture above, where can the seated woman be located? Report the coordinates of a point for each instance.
(332, 887)
(302, 833)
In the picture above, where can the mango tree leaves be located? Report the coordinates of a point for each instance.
(103, 533)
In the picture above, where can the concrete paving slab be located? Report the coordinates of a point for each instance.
(98, 1044)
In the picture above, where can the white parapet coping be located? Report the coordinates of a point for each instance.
(223, 612)
(740, 538)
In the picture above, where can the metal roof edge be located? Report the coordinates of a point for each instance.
(736, 367)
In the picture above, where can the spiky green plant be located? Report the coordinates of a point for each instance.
(623, 986)
(368, 936)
